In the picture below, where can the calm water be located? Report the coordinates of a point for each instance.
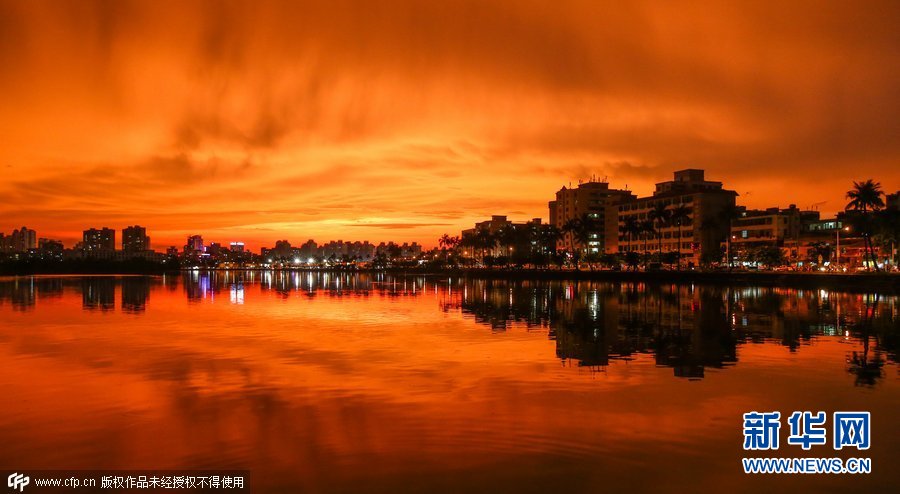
(326, 383)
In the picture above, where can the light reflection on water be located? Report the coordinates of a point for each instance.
(327, 382)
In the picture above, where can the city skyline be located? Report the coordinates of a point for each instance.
(585, 193)
(342, 120)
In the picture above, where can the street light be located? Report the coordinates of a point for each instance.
(837, 253)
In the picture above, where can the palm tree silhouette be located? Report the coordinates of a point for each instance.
(570, 229)
(865, 197)
(485, 240)
(631, 228)
(587, 226)
(468, 241)
(547, 238)
(660, 216)
(647, 230)
(679, 216)
(448, 244)
(724, 218)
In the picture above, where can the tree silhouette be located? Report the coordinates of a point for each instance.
(680, 215)
(865, 197)
(660, 216)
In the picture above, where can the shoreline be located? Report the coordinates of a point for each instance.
(881, 282)
(855, 282)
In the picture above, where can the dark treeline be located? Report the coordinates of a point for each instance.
(85, 266)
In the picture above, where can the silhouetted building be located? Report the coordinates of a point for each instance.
(135, 240)
(518, 235)
(597, 201)
(19, 241)
(50, 249)
(99, 242)
(770, 227)
(892, 201)
(194, 245)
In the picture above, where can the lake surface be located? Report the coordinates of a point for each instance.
(371, 383)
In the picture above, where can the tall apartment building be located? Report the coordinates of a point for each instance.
(97, 241)
(194, 245)
(597, 201)
(135, 240)
(21, 240)
(704, 230)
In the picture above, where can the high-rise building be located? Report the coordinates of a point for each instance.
(596, 201)
(701, 233)
(282, 251)
(892, 201)
(194, 245)
(135, 240)
(99, 241)
(237, 247)
(21, 240)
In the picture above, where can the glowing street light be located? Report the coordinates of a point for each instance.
(837, 253)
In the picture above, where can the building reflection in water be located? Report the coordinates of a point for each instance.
(688, 328)
(98, 293)
(135, 292)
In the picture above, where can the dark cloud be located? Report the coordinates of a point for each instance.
(417, 113)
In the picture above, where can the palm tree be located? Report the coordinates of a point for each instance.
(865, 197)
(485, 240)
(569, 228)
(508, 237)
(660, 216)
(587, 226)
(723, 220)
(887, 226)
(448, 244)
(631, 228)
(547, 238)
(647, 231)
(468, 241)
(680, 215)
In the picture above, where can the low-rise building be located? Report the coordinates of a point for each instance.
(777, 227)
(505, 235)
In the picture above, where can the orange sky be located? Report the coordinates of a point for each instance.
(405, 119)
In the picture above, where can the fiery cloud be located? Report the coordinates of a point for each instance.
(404, 119)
